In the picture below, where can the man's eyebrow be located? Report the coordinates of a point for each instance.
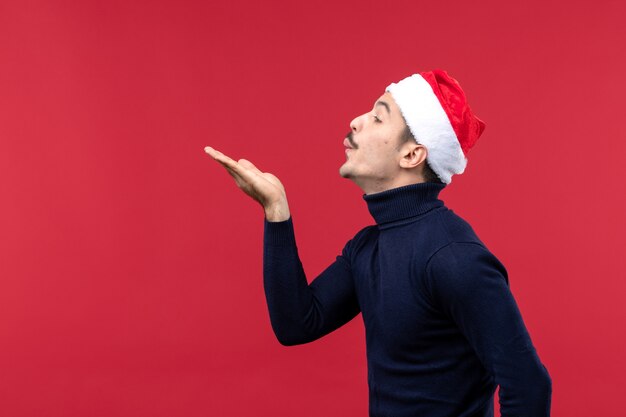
(384, 104)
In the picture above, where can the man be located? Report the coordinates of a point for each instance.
(442, 327)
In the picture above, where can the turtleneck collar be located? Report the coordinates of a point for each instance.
(403, 202)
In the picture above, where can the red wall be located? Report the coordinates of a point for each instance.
(130, 264)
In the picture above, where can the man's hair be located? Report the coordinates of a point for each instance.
(427, 172)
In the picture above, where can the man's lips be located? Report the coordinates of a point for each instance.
(346, 143)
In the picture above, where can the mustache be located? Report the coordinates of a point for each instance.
(351, 139)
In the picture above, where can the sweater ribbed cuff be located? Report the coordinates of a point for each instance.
(279, 233)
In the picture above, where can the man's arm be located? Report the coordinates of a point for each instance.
(299, 312)
(471, 286)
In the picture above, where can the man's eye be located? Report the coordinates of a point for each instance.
(376, 119)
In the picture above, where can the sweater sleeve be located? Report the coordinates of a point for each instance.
(471, 286)
(299, 312)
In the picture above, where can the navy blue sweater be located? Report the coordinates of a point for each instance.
(442, 327)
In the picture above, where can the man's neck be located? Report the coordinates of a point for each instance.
(378, 186)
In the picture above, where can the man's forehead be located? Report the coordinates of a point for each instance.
(387, 101)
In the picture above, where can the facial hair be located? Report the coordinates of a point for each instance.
(351, 140)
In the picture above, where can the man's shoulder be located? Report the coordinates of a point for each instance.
(454, 228)
(364, 236)
(438, 230)
(366, 233)
(459, 245)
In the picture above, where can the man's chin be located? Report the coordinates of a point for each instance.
(344, 171)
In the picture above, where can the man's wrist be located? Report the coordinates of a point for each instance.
(277, 213)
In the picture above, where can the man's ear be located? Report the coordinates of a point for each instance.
(413, 154)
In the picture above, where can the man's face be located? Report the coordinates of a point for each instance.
(373, 145)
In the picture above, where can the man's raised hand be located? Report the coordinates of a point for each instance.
(263, 187)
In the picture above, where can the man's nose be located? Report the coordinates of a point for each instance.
(356, 123)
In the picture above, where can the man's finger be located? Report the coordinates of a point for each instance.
(249, 165)
(242, 175)
(246, 175)
(218, 156)
(221, 159)
(233, 165)
(240, 172)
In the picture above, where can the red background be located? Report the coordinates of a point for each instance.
(130, 264)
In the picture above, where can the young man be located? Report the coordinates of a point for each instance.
(442, 327)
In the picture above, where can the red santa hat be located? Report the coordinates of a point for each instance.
(436, 111)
